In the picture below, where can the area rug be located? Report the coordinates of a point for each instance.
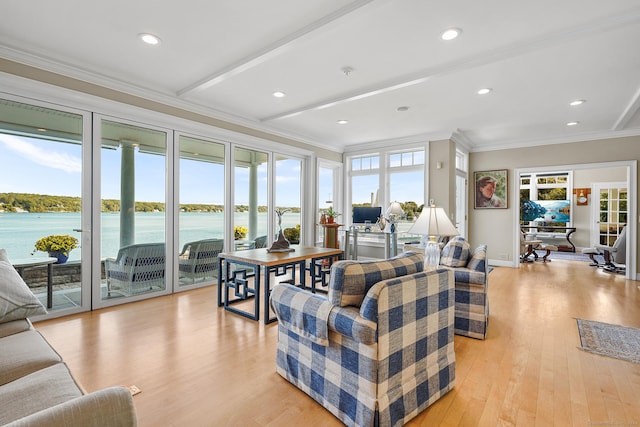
(567, 256)
(620, 342)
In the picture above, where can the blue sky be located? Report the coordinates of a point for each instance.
(29, 165)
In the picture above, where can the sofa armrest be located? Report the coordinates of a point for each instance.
(110, 407)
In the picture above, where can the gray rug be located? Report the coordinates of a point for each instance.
(620, 342)
(568, 256)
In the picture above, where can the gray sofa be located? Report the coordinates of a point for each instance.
(36, 387)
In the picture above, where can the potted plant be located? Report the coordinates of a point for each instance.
(331, 215)
(240, 232)
(57, 246)
(292, 234)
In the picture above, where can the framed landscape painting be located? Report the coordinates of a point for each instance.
(490, 189)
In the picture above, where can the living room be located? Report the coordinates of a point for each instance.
(198, 364)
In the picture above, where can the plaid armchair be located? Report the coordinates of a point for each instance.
(470, 270)
(378, 349)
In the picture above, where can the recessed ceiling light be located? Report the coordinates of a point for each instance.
(41, 130)
(149, 38)
(279, 94)
(484, 91)
(450, 34)
(577, 102)
(572, 123)
(403, 108)
(343, 122)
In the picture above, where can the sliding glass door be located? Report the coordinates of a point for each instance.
(132, 217)
(201, 211)
(42, 208)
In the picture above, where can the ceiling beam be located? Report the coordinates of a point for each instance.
(628, 113)
(483, 58)
(272, 50)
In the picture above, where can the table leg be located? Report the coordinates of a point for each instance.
(242, 291)
(49, 285)
(220, 272)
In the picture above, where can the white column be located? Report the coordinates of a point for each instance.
(127, 195)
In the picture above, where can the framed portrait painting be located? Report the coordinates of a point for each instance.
(490, 189)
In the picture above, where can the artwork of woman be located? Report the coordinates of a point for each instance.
(486, 188)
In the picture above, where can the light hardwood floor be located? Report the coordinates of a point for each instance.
(198, 365)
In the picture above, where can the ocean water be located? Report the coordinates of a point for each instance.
(20, 231)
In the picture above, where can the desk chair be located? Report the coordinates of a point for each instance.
(615, 256)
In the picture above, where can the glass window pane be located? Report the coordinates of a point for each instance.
(375, 162)
(364, 189)
(395, 160)
(250, 216)
(288, 188)
(408, 189)
(201, 210)
(133, 209)
(41, 173)
(407, 159)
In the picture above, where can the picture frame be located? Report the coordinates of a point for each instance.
(490, 189)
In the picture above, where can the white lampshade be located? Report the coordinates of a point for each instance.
(394, 208)
(433, 221)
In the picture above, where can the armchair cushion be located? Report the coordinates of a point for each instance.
(351, 280)
(302, 312)
(456, 253)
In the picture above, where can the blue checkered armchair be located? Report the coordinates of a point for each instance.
(472, 301)
(378, 349)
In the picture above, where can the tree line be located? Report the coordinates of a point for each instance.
(40, 203)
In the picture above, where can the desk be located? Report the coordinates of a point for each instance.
(25, 263)
(265, 262)
(351, 242)
(568, 232)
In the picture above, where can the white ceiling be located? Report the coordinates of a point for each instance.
(228, 57)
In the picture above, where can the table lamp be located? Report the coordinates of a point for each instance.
(432, 222)
(393, 214)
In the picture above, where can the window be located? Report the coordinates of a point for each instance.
(288, 189)
(365, 163)
(379, 179)
(250, 216)
(201, 209)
